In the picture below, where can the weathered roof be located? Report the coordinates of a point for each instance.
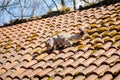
(96, 57)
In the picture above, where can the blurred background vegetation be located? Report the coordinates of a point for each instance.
(11, 10)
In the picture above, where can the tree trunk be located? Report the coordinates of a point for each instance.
(74, 4)
(62, 2)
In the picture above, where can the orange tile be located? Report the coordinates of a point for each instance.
(107, 77)
(92, 77)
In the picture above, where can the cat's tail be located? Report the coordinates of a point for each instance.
(77, 36)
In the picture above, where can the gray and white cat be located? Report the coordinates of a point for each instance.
(64, 39)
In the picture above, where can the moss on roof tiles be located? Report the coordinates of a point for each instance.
(117, 37)
(98, 46)
(50, 78)
(107, 39)
(113, 33)
(102, 29)
(119, 46)
(94, 25)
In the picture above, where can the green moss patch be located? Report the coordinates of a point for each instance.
(91, 31)
(113, 33)
(117, 37)
(95, 35)
(119, 46)
(98, 46)
(94, 25)
(107, 40)
(95, 50)
(50, 78)
(76, 73)
(97, 41)
(81, 46)
(118, 18)
(102, 29)
(56, 33)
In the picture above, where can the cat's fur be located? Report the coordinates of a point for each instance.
(63, 39)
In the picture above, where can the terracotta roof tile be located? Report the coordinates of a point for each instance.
(34, 65)
(11, 65)
(109, 52)
(117, 52)
(88, 61)
(58, 69)
(8, 78)
(78, 61)
(30, 63)
(118, 77)
(34, 72)
(115, 68)
(99, 61)
(98, 53)
(23, 74)
(2, 71)
(91, 77)
(67, 78)
(107, 45)
(107, 77)
(112, 59)
(89, 69)
(6, 74)
(66, 63)
(56, 62)
(20, 65)
(77, 70)
(80, 77)
(101, 69)
(43, 72)
(77, 55)
(65, 71)
(95, 57)
(57, 78)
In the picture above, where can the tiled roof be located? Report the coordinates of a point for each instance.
(96, 57)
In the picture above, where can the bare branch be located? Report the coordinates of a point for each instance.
(21, 8)
(47, 5)
(55, 4)
(85, 1)
(10, 13)
(74, 4)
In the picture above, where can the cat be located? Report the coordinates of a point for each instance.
(64, 39)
